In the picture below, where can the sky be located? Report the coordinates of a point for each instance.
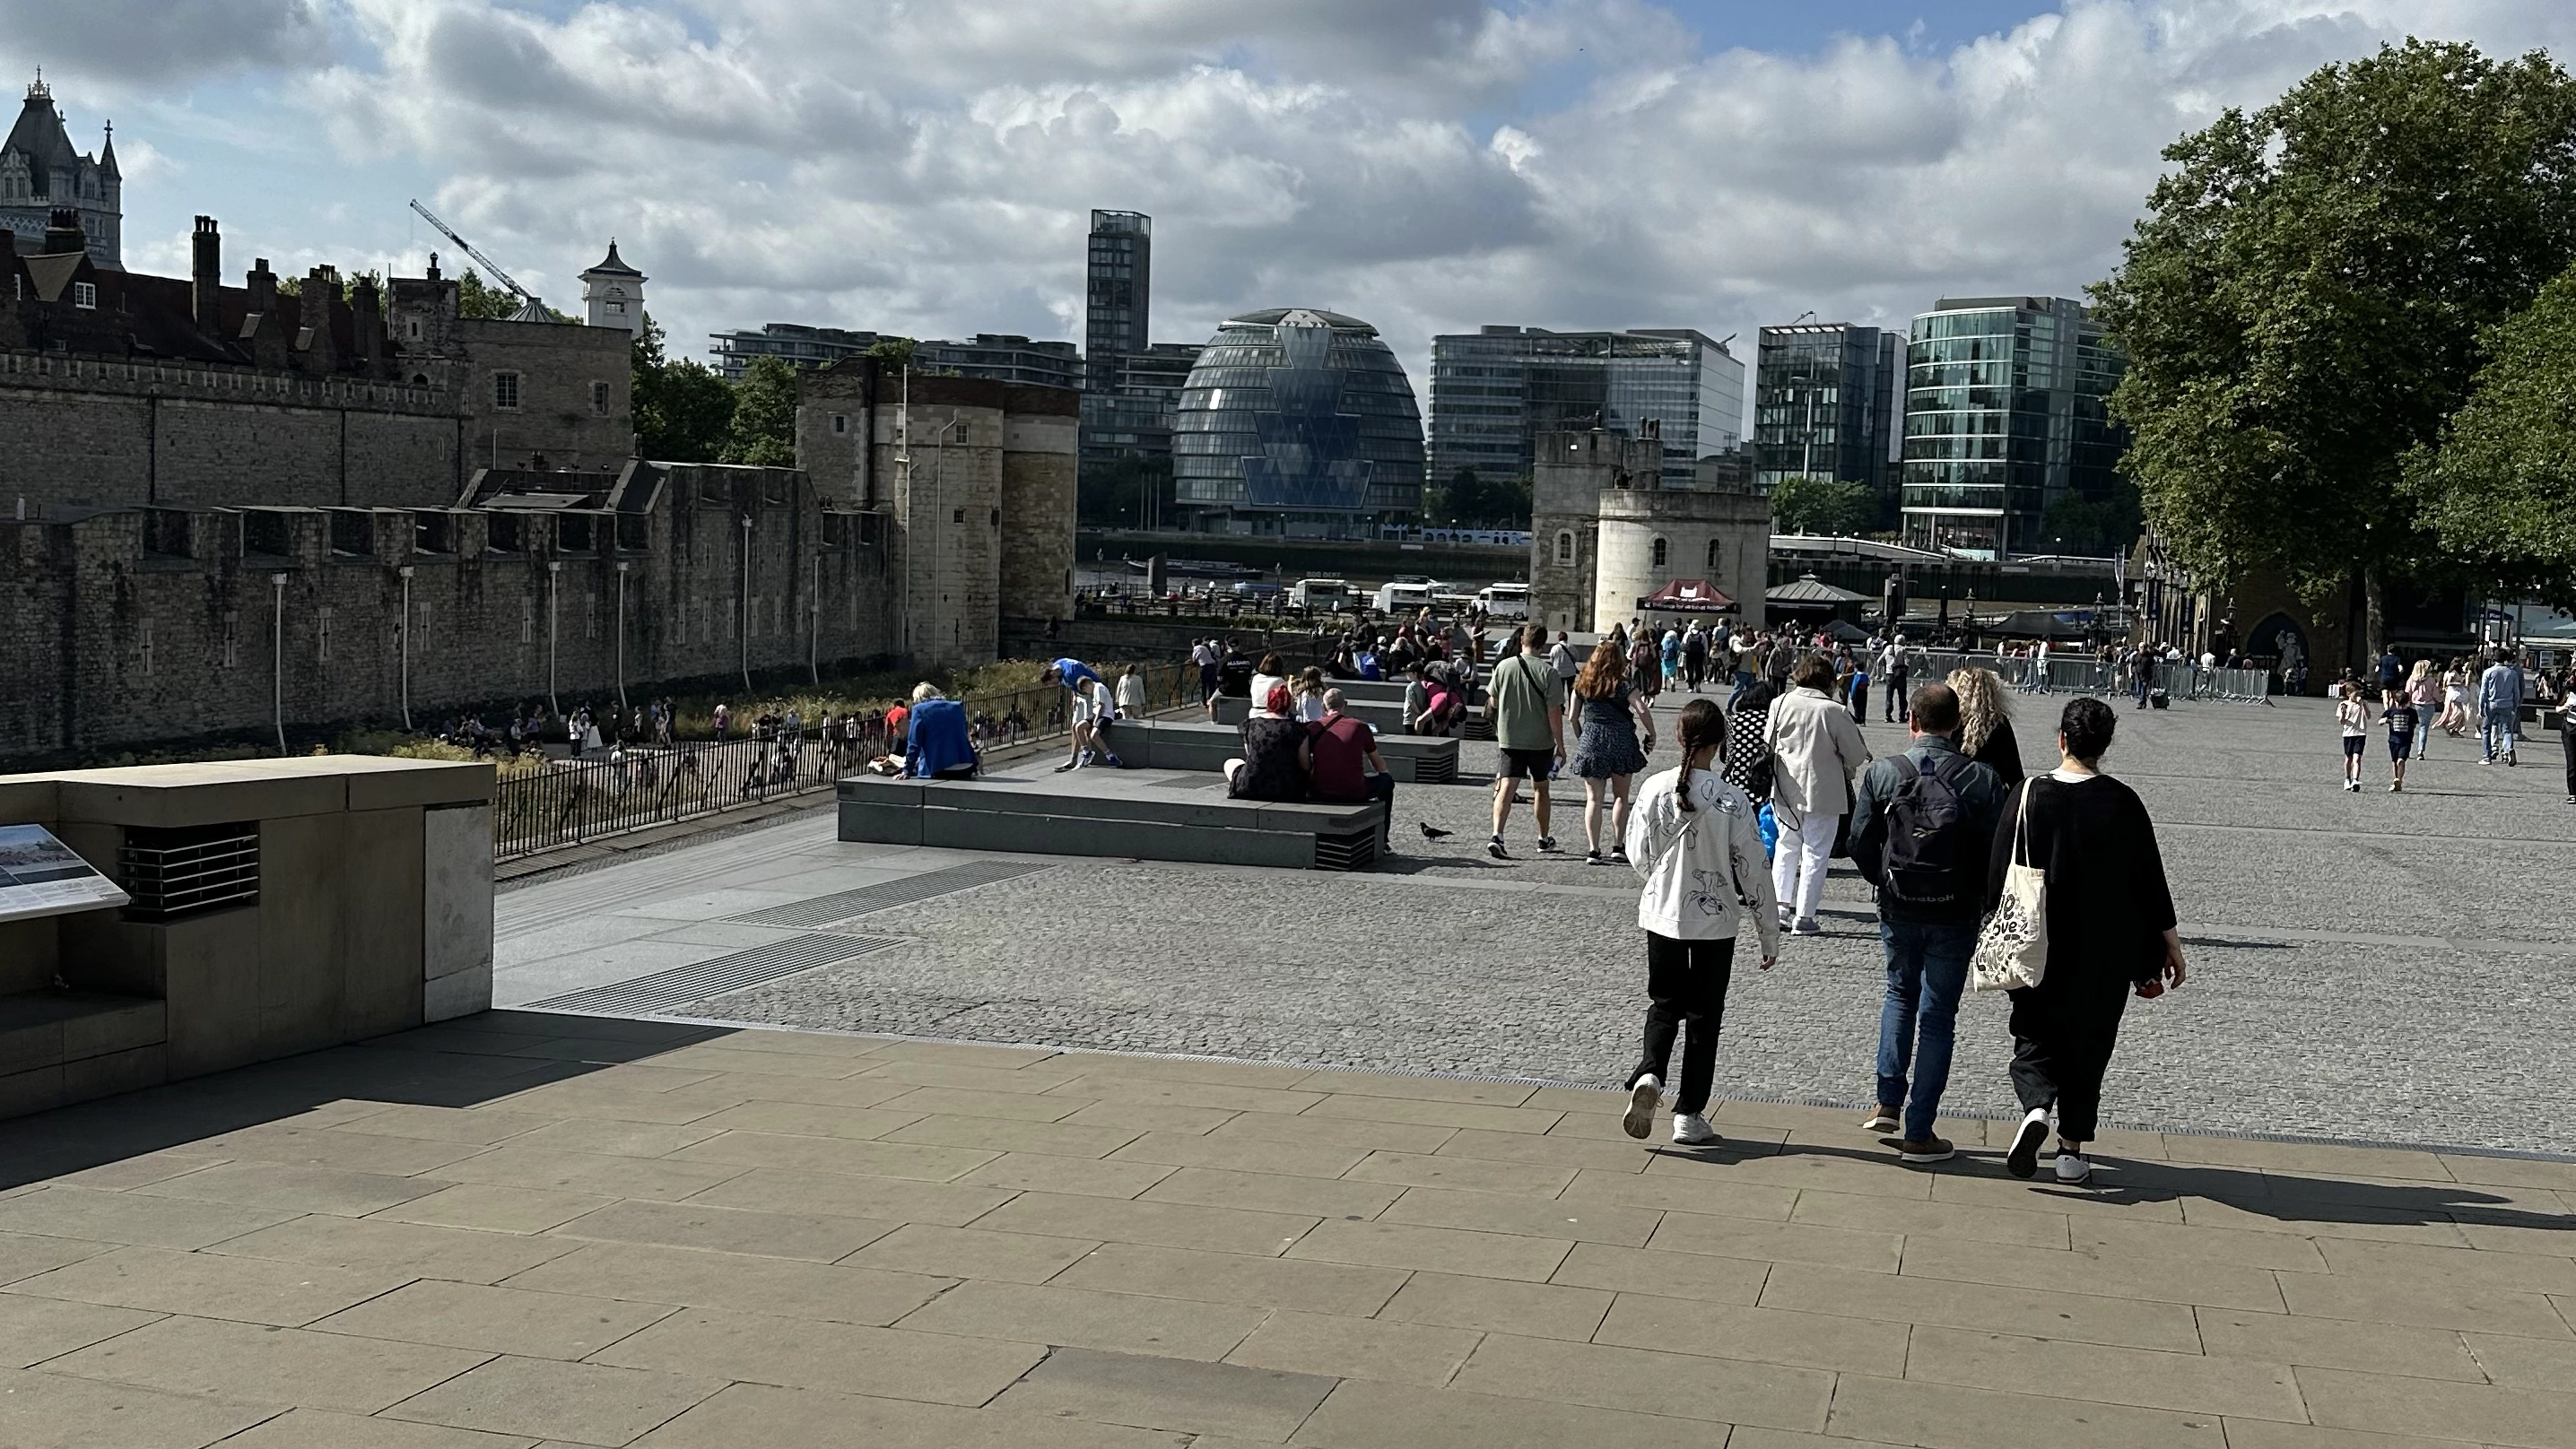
(927, 167)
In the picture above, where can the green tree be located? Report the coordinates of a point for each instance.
(683, 410)
(893, 354)
(763, 426)
(2100, 525)
(1822, 505)
(1472, 500)
(2302, 304)
(2499, 493)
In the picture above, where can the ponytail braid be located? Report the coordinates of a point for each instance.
(1702, 724)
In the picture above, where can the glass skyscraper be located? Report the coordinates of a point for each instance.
(1296, 422)
(1118, 294)
(2006, 412)
(1826, 404)
(1495, 390)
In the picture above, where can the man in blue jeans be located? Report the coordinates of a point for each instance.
(1923, 823)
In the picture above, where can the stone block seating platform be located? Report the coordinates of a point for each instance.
(1147, 814)
(1181, 745)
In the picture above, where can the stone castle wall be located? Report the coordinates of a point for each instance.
(146, 626)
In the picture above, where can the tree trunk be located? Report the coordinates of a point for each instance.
(2374, 612)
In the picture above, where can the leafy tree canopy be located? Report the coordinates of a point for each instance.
(683, 410)
(763, 426)
(2302, 304)
(2500, 491)
(1472, 500)
(1822, 505)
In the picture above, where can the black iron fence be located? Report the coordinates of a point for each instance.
(569, 801)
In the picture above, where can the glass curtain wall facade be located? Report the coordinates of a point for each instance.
(2006, 411)
(1826, 404)
(1495, 390)
(1297, 422)
(1118, 294)
(804, 346)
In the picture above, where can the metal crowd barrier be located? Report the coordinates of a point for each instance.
(571, 801)
(2084, 674)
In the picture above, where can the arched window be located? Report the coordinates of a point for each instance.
(1565, 547)
(1663, 551)
(1712, 558)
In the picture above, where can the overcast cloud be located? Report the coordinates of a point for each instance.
(927, 167)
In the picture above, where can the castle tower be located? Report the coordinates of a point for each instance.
(40, 172)
(613, 293)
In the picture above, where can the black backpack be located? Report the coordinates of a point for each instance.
(1918, 855)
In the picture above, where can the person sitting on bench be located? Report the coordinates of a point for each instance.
(1331, 755)
(1273, 741)
(936, 745)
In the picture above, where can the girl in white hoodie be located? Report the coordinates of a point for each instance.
(1694, 838)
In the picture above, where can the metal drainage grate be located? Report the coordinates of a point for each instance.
(180, 871)
(842, 905)
(684, 984)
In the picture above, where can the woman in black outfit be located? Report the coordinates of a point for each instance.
(2110, 933)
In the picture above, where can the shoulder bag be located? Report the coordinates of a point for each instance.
(2012, 945)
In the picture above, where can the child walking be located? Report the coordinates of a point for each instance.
(2402, 722)
(2354, 718)
(1694, 839)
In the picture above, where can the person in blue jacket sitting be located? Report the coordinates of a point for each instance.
(936, 743)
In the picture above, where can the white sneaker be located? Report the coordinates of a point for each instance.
(1644, 1100)
(1690, 1129)
(2073, 1167)
(2023, 1160)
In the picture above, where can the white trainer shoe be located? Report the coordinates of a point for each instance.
(2023, 1160)
(1644, 1100)
(2073, 1168)
(1690, 1129)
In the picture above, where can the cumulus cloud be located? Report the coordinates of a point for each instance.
(928, 165)
(161, 41)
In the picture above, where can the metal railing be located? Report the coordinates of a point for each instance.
(567, 802)
(2085, 674)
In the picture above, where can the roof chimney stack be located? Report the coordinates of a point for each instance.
(206, 277)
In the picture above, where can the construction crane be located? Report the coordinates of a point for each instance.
(530, 309)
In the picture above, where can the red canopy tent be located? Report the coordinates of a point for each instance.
(1686, 596)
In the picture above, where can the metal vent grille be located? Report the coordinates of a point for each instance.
(183, 871)
(805, 915)
(1442, 771)
(684, 984)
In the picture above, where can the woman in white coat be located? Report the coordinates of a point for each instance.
(1816, 750)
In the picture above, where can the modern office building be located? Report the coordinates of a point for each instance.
(1495, 390)
(1118, 294)
(1134, 418)
(804, 346)
(1296, 422)
(1003, 358)
(1827, 404)
(2006, 412)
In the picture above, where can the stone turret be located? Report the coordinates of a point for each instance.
(613, 293)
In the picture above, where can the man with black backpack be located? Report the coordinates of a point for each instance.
(1923, 826)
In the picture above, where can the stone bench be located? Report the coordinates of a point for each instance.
(1180, 745)
(1148, 814)
(1386, 719)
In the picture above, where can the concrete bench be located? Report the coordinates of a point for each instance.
(1386, 719)
(1179, 745)
(1148, 814)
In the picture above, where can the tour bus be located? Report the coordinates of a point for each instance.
(1403, 599)
(1505, 601)
(1327, 596)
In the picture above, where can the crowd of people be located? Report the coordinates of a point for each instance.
(2482, 696)
(1737, 837)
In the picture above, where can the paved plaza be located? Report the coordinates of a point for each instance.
(2373, 967)
(572, 1226)
(534, 1228)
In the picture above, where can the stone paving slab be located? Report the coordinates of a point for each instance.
(1402, 1268)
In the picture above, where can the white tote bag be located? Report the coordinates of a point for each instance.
(2012, 946)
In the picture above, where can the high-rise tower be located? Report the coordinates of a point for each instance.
(1117, 296)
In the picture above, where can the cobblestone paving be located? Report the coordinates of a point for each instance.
(2369, 967)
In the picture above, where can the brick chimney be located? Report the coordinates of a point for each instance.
(367, 329)
(63, 232)
(263, 286)
(206, 276)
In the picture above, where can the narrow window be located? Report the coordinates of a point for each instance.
(1565, 546)
(840, 422)
(1662, 550)
(599, 398)
(505, 391)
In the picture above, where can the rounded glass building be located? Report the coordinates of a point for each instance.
(1296, 422)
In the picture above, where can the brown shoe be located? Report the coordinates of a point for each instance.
(1926, 1150)
(1881, 1119)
